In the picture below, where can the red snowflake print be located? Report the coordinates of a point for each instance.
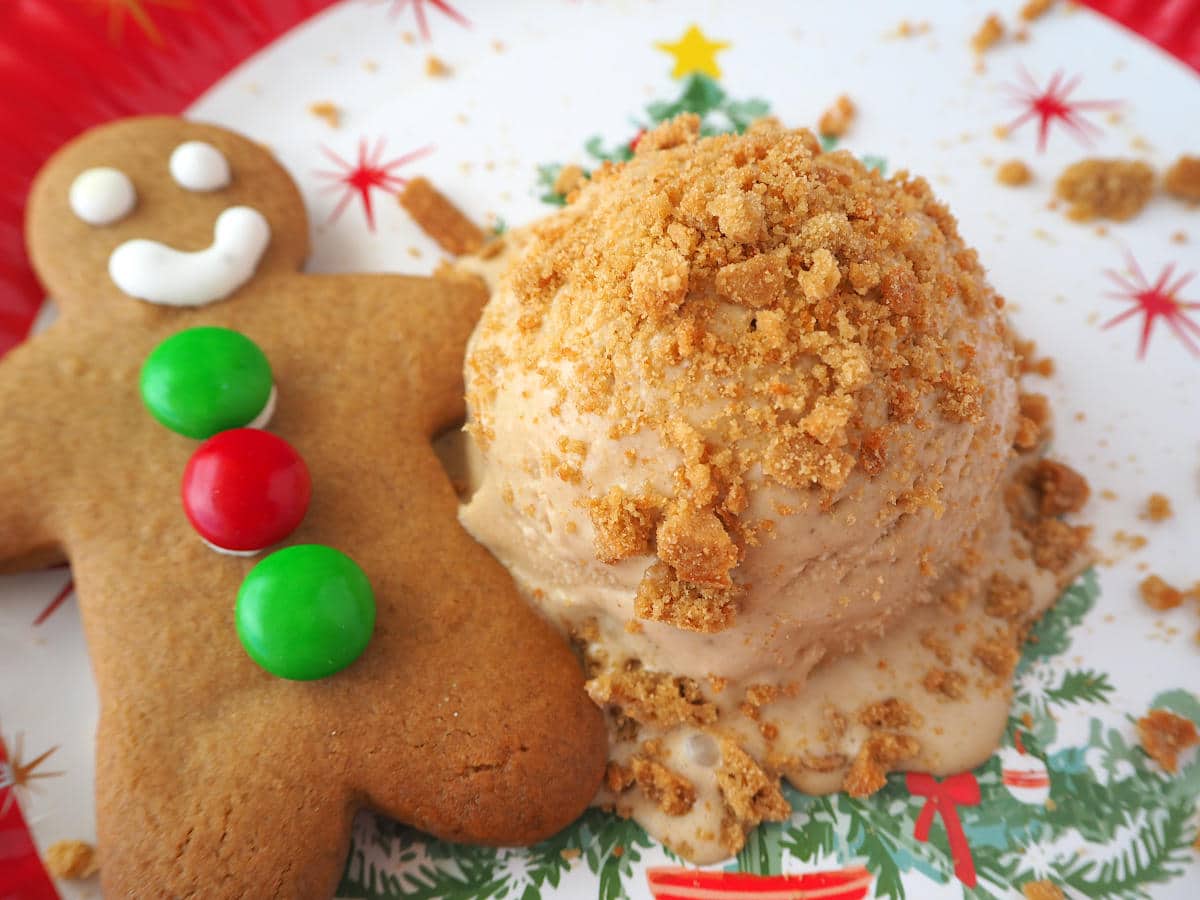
(1053, 104)
(120, 10)
(398, 6)
(1159, 300)
(366, 174)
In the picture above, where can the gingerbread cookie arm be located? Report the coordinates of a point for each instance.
(30, 445)
(425, 324)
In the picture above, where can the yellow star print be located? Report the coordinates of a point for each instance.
(694, 52)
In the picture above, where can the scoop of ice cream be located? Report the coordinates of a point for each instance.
(741, 402)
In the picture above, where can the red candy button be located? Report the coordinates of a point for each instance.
(245, 489)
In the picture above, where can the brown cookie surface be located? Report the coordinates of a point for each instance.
(465, 716)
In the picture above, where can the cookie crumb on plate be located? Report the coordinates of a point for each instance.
(71, 860)
(1041, 890)
(836, 120)
(1035, 9)
(1159, 595)
(435, 67)
(331, 113)
(1183, 179)
(1164, 735)
(988, 35)
(1105, 188)
(1014, 173)
(439, 218)
(1157, 509)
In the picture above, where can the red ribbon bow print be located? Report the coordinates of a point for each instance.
(944, 797)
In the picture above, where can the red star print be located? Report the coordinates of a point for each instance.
(363, 176)
(418, 6)
(1156, 301)
(1052, 104)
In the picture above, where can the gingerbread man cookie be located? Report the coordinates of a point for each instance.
(464, 715)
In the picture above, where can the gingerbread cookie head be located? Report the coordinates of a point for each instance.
(149, 214)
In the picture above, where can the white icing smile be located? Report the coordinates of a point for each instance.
(150, 270)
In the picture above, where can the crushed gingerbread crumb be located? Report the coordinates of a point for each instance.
(998, 655)
(751, 795)
(435, 67)
(891, 714)
(1007, 599)
(71, 860)
(1182, 180)
(695, 544)
(837, 119)
(653, 698)
(1115, 189)
(1035, 9)
(937, 645)
(1042, 890)
(945, 682)
(988, 35)
(663, 597)
(1157, 508)
(439, 218)
(1157, 594)
(569, 179)
(617, 778)
(668, 790)
(1029, 364)
(879, 752)
(329, 112)
(1179, 237)
(1014, 173)
(624, 525)
(1164, 735)
(1059, 488)
(1033, 421)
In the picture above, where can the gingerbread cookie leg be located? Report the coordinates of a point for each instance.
(197, 803)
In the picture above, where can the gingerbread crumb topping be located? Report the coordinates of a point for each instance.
(878, 754)
(653, 698)
(670, 791)
(769, 314)
(750, 794)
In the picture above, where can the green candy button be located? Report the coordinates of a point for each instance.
(205, 380)
(305, 612)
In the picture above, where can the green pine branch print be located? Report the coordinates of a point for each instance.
(1081, 686)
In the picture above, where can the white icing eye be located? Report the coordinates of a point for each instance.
(102, 195)
(198, 166)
